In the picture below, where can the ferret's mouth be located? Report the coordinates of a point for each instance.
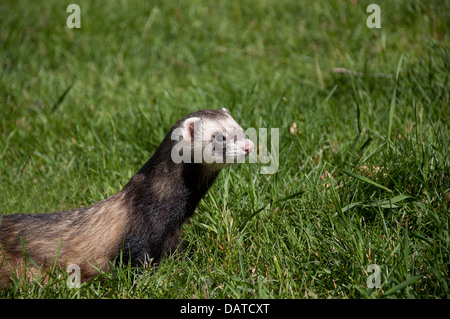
(231, 153)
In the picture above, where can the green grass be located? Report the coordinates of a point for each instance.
(368, 159)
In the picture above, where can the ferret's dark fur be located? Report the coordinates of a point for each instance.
(143, 220)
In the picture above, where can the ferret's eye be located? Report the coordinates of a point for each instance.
(220, 138)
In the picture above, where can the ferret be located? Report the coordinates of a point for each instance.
(142, 222)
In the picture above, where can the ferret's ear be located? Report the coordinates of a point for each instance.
(226, 111)
(190, 126)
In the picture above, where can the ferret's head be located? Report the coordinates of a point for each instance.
(210, 137)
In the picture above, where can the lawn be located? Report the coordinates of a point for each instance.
(362, 113)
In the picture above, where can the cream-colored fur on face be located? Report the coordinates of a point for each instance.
(207, 134)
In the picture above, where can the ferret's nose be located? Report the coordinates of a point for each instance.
(248, 147)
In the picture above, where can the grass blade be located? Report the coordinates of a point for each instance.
(365, 180)
(404, 284)
(62, 97)
(394, 94)
(241, 264)
(390, 203)
(271, 203)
